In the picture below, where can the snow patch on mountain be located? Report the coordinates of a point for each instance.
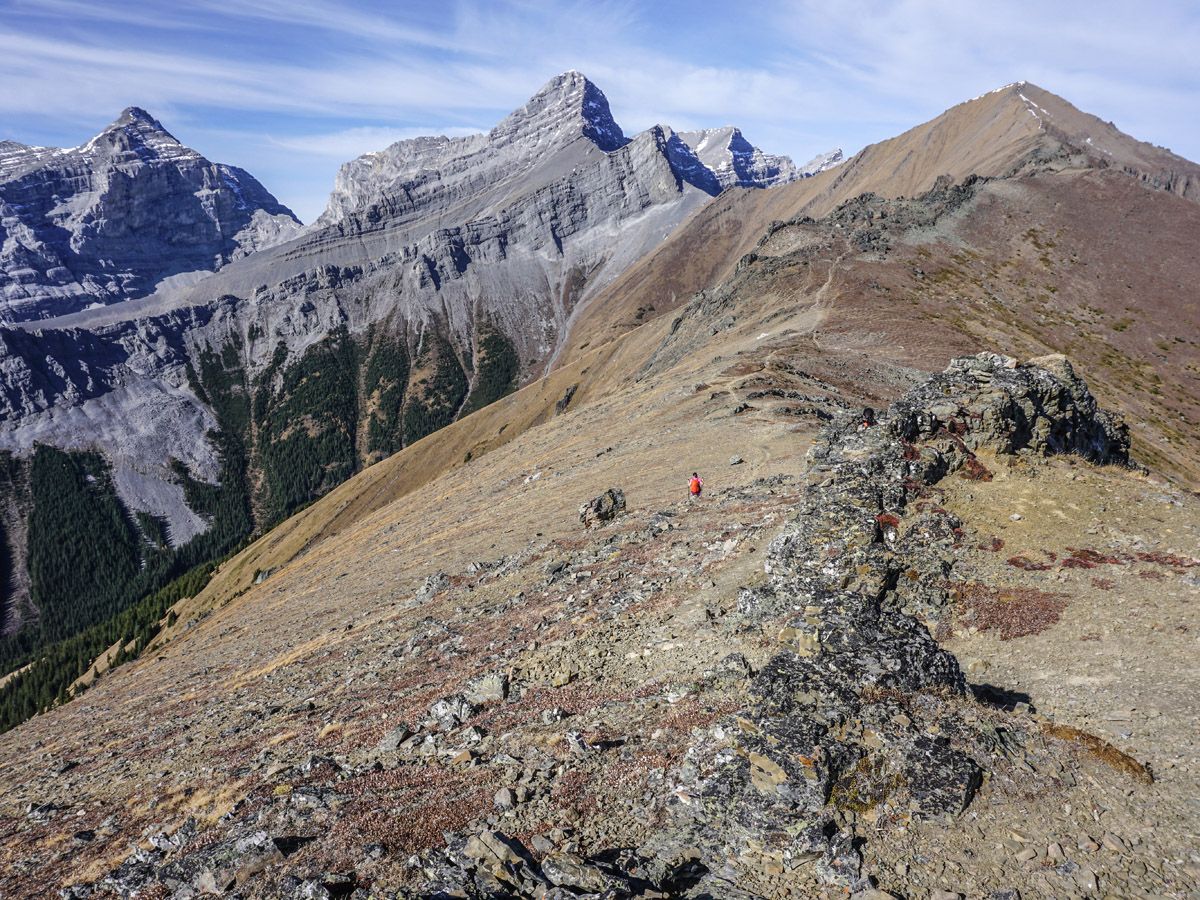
(734, 161)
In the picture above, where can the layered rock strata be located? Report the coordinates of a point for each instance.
(108, 221)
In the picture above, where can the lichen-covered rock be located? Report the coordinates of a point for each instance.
(858, 710)
(452, 711)
(489, 688)
(602, 509)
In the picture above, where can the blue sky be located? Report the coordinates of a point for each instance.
(289, 89)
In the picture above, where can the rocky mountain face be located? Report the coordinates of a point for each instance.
(107, 221)
(822, 162)
(441, 277)
(723, 158)
(435, 174)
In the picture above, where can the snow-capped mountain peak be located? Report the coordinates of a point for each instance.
(138, 133)
(734, 160)
(101, 222)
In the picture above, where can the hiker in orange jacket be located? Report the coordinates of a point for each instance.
(695, 486)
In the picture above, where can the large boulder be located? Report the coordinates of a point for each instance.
(602, 509)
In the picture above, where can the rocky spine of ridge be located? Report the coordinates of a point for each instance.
(860, 706)
(859, 709)
(107, 221)
(859, 722)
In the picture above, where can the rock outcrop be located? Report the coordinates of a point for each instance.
(109, 220)
(603, 508)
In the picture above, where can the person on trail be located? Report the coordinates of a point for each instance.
(695, 486)
(868, 418)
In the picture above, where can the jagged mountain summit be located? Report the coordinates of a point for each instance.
(822, 162)
(435, 170)
(720, 158)
(566, 117)
(108, 220)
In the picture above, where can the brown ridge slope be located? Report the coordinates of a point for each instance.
(1090, 263)
(990, 136)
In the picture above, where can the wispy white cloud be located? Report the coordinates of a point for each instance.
(140, 16)
(87, 76)
(377, 26)
(928, 54)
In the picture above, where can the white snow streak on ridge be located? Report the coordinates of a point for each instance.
(1033, 108)
(1003, 87)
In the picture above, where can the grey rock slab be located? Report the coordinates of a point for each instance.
(391, 741)
(490, 688)
(504, 799)
(572, 871)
